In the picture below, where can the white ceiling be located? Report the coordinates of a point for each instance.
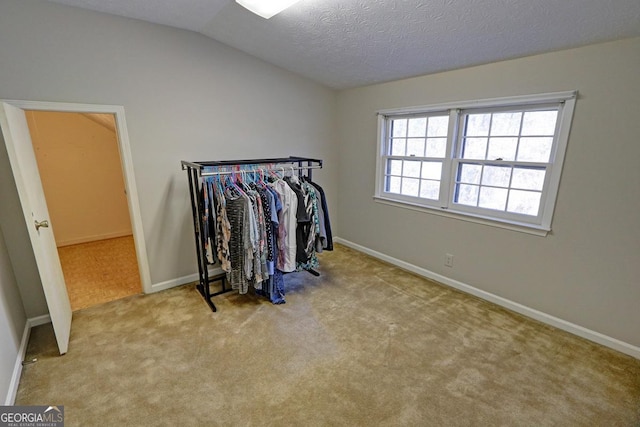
(350, 43)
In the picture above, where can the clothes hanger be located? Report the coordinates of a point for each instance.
(293, 177)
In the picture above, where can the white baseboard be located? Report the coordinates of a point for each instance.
(157, 287)
(572, 328)
(95, 238)
(17, 368)
(40, 320)
(22, 351)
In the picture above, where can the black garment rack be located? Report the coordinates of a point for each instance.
(196, 171)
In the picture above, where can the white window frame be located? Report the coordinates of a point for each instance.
(540, 224)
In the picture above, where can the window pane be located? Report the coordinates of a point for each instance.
(470, 174)
(539, 123)
(474, 148)
(430, 189)
(395, 167)
(398, 147)
(502, 148)
(393, 184)
(436, 147)
(524, 202)
(438, 126)
(415, 147)
(431, 170)
(493, 198)
(496, 175)
(411, 169)
(528, 179)
(399, 127)
(410, 186)
(535, 149)
(506, 124)
(478, 124)
(467, 195)
(418, 127)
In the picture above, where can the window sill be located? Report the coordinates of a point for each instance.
(463, 216)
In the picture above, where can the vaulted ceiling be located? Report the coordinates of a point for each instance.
(350, 43)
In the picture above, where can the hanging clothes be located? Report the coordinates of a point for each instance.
(238, 214)
(260, 228)
(327, 243)
(222, 226)
(206, 221)
(287, 223)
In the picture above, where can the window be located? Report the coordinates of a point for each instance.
(495, 160)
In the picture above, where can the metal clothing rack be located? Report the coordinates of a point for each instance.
(196, 171)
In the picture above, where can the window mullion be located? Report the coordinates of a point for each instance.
(486, 149)
(447, 183)
(420, 175)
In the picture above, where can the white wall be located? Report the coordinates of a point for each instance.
(81, 175)
(186, 97)
(12, 324)
(586, 271)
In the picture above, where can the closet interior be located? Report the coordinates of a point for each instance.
(256, 220)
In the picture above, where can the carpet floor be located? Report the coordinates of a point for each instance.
(364, 344)
(100, 271)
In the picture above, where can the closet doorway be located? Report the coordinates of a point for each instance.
(82, 177)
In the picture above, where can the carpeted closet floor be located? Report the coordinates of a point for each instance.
(365, 344)
(100, 271)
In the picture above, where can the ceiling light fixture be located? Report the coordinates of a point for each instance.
(266, 8)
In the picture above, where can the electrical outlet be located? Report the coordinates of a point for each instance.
(448, 260)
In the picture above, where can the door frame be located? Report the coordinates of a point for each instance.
(127, 169)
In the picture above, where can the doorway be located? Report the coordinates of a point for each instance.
(17, 140)
(82, 178)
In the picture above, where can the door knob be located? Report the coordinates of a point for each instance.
(44, 224)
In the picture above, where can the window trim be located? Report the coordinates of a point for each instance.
(446, 161)
(539, 225)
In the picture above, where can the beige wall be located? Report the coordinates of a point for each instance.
(186, 97)
(586, 271)
(12, 323)
(81, 174)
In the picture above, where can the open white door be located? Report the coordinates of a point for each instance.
(34, 207)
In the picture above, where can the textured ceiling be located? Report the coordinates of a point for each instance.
(350, 43)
